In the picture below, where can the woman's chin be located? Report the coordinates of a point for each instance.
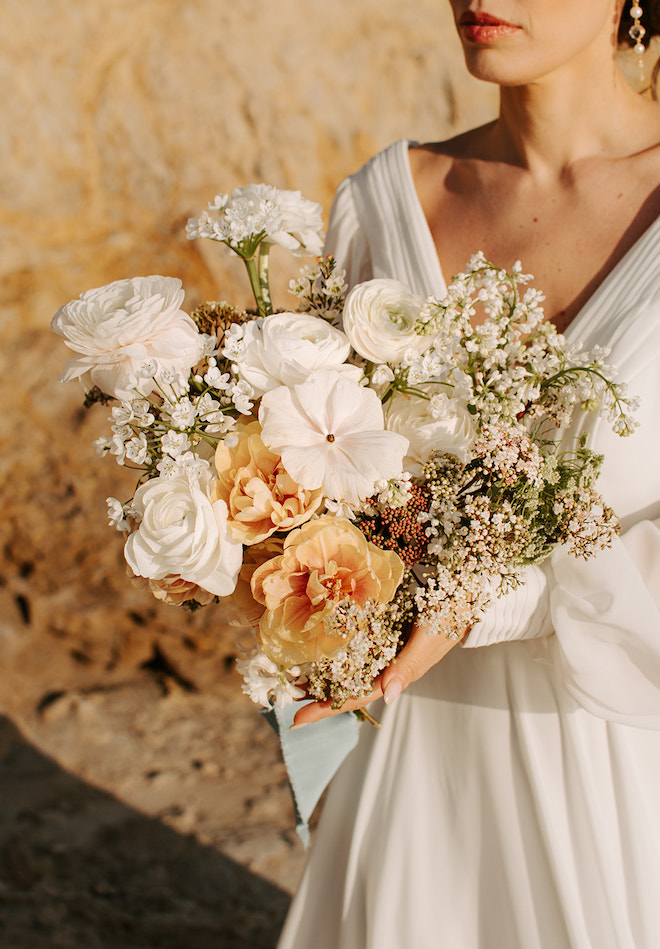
(500, 67)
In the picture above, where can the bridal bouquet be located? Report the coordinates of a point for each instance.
(329, 485)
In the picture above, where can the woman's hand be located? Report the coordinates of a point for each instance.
(418, 655)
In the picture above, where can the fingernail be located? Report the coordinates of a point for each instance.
(392, 691)
(292, 728)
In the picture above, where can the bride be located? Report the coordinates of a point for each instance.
(510, 798)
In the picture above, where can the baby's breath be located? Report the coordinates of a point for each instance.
(374, 634)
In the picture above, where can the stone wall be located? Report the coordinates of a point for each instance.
(125, 118)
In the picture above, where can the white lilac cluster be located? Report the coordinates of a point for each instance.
(515, 363)
(319, 465)
(392, 494)
(452, 600)
(507, 508)
(154, 434)
(259, 213)
(509, 454)
(587, 522)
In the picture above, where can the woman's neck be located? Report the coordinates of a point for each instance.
(573, 114)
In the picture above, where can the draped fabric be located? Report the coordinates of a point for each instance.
(511, 798)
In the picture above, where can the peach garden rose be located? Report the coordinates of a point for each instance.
(176, 591)
(261, 497)
(241, 610)
(324, 562)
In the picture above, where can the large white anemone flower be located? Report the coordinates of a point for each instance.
(329, 432)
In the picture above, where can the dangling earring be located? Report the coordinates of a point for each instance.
(637, 31)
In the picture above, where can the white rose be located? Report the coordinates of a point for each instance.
(114, 330)
(379, 320)
(441, 424)
(283, 349)
(183, 533)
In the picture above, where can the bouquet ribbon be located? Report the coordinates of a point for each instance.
(312, 756)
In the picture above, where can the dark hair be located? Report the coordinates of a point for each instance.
(650, 20)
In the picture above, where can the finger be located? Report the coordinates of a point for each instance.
(315, 711)
(421, 652)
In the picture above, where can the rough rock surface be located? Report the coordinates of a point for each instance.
(143, 800)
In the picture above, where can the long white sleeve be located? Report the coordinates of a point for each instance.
(523, 613)
(606, 613)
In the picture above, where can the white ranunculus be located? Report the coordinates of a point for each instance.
(441, 424)
(183, 533)
(284, 348)
(329, 432)
(114, 330)
(379, 319)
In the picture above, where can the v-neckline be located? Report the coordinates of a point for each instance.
(431, 251)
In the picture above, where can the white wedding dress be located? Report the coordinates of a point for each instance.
(511, 799)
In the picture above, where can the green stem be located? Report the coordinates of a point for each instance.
(213, 442)
(257, 270)
(364, 716)
(253, 277)
(264, 284)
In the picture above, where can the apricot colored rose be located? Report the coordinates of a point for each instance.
(176, 590)
(260, 496)
(323, 562)
(241, 609)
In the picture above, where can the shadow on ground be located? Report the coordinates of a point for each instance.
(81, 870)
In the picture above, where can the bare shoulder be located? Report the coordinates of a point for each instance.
(470, 144)
(450, 165)
(437, 160)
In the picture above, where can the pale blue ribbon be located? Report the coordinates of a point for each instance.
(312, 755)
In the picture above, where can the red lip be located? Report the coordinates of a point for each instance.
(483, 28)
(472, 18)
